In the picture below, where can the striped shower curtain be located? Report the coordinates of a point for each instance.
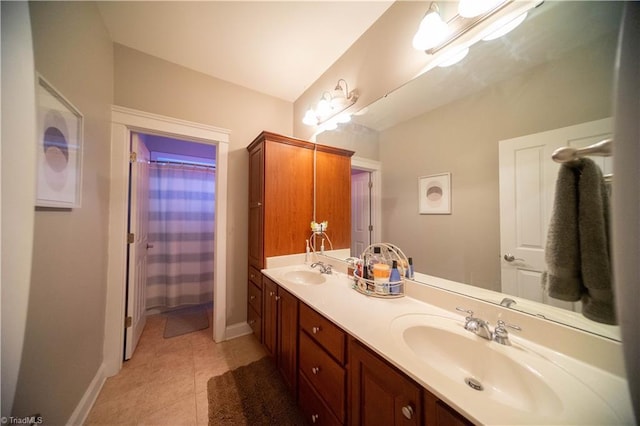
(181, 216)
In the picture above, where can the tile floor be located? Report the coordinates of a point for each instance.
(165, 382)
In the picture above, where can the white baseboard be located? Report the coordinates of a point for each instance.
(236, 330)
(81, 412)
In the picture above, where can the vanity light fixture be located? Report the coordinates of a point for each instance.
(331, 108)
(434, 34)
(432, 30)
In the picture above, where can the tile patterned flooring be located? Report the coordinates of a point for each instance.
(165, 382)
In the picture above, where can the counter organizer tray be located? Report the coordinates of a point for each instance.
(380, 287)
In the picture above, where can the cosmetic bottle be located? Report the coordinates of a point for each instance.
(409, 273)
(307, 252)
(394, 279)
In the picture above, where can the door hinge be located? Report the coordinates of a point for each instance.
(370, 228)
(127, 322)
(370, 184)
(131, 237)
(133, 157)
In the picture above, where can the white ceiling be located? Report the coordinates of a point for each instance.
(275, 47)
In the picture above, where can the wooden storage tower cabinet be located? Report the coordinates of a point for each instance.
(283, 173)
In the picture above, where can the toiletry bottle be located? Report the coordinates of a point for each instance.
(307, 252)
(322, 247)
(394, 279)
(410, 269)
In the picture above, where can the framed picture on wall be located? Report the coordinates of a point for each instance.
(434, 194)
(59, 149)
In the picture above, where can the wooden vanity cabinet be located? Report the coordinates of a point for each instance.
(380, 394)
(281, 207)
(322, 373)
(280, 322)
(254, 310)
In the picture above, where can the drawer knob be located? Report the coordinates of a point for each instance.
(314, 418)
(315, 330)
(407, 411)
(315, 370)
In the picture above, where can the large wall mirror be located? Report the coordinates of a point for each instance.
(554, 71)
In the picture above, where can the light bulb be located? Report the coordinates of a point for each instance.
(310, 118)
(343, 118)
(431, 32)
(324, 107)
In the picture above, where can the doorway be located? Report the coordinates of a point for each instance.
(365, 204)
(172, 223)
(126, 121)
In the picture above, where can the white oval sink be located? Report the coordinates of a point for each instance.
(304, 277)
(510, 376)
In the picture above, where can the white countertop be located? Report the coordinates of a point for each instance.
(600, 398)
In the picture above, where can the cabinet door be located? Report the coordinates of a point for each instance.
(288, 198)
(379, 394)
(288, 337)
(256, 206)
(269, 315)
(333, 194)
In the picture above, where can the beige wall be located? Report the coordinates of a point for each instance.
(462, 138)
(18, 189)
(65, 319)
(150, 84)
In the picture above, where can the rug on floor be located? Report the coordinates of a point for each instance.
(186, 320)
(254, 394)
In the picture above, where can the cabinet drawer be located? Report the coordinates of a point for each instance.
(323, 331)
(255, 322)
(324, 374)
(314, 409)
(255, 276)
(255, 298)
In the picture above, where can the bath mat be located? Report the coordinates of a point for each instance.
(186, 320)
(254, 394)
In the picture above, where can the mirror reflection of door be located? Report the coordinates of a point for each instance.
(361, 224)
(527, 187)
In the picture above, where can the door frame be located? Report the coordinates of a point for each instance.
(374, 167)
(124, 121)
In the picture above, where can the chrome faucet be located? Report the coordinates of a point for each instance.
(501, 335)
(324, 268)
(477, 326)
(480, 328)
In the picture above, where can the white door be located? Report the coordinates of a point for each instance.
(360, 212)
(527, 187)
(138, 226)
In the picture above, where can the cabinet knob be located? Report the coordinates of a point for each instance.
(314, 418)
(407, 411)
(252, 297)
(315, 370)
(251, 322)
(277, 298)
(315, 330)
(271, 293)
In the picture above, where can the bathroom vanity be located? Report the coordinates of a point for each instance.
(353, 359)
